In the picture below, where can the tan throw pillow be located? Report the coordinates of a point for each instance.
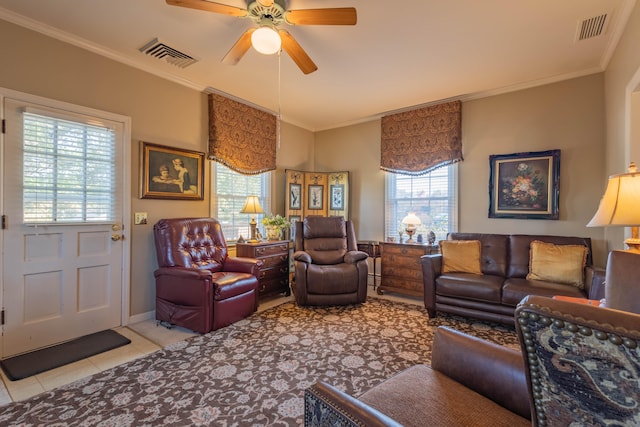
(557, 263)
(461, 256)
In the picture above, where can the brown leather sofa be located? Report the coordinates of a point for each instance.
(198, 286)
(329, 268)
(579, 368)
(495, 294)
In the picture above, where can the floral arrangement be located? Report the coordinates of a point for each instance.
(526, 188)
(275, 221)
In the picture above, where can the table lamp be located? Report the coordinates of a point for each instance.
(620, 205)
(410, 222)
(252, 206)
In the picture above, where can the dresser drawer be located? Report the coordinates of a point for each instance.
(270, 273)
(275, 260)
(268, 250)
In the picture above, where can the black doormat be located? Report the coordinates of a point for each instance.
(28, 364)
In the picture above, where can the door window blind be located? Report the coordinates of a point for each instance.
(69, 171)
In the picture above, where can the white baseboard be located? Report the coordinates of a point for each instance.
(137, 318)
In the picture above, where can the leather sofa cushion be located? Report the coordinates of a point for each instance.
(470, 286)
(494, 253)
(461, 256)
(557, 263)
(515, 289)
(325, 239)
(419, 394)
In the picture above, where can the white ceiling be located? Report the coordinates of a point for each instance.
(400, 54)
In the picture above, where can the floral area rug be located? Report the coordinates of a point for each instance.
(254, 372)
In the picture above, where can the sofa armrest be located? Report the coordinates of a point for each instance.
(302, 256)
(494, 371)
(184, 286)
(594, 282)
(325, 405)
(431, 268)
(243, 265)
(352, 257)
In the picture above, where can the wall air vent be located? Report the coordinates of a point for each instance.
(592, 27)
(160, 50)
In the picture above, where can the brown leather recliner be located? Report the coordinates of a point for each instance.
(198, 286)
(329, 268)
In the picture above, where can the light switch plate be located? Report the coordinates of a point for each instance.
(140, 218)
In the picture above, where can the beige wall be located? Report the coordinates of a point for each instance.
(568, 116)
(622, 81)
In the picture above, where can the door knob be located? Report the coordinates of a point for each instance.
(116, 237)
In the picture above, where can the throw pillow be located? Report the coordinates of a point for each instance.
(461, 256)
(557, 263)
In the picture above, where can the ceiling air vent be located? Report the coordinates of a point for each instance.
(160, 50)
(592, 27)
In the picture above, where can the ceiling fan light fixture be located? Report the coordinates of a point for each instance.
(266, 40)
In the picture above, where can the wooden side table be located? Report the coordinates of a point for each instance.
(401, 267)
(372, 249)
(274, 273)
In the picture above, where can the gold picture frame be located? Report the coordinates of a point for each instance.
(170, 173)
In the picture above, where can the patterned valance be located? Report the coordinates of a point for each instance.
(241, 137)
(418, 141)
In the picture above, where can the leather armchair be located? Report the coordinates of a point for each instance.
(329, 268)
(198, 286)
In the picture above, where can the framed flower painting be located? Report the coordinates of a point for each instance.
(525, 185)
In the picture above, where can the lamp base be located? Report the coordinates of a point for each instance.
(633, 244)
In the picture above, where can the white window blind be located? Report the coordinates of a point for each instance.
(69, 171)
(230, 190)
(433, 197)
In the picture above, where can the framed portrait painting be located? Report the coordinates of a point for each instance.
(170, 173)
(525, 185)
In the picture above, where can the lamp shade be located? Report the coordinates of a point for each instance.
(620, 205)
(252, 205)
(266, 40)
(412, 219)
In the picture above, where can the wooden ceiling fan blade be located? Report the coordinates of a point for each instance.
(209, 7)
(331, 16)
(238, 50)
(297, 53)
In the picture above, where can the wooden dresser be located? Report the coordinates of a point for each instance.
(401, 268)
(274, 273)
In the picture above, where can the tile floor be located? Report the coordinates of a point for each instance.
(146, 337)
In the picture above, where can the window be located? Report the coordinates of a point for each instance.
(230, 190)
(433, 197)
(69, 171)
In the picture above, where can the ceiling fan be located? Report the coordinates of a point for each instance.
(269, 14)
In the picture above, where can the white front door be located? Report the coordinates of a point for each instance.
(60, 280)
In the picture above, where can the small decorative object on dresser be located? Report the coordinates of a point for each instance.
(274, 273)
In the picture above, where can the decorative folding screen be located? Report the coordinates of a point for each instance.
(316, 193)
(416, 142)
(240, 136)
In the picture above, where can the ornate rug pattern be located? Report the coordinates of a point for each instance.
(252, 373)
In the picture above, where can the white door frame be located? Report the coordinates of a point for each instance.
(126, 179)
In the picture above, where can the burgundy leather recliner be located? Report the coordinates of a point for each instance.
(198, 286)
